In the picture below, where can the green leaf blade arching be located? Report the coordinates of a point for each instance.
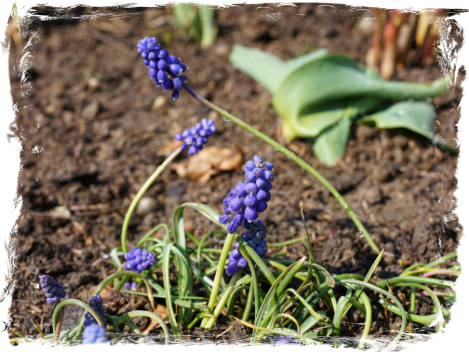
(415, 116)
(331, 143)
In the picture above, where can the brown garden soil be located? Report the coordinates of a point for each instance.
(92, 134)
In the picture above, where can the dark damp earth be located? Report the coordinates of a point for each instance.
(93, 128)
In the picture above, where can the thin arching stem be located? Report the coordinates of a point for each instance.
(290, 155)
(140, 194)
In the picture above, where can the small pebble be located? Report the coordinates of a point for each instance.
(159, 102)
(146, 206)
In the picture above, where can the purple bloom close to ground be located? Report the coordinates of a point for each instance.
(285, 340)
(97, 304)
(139, 260)
(54, 290)
(255, 237)
(196, 137)
(248, 199)
(162, 67)
(95, 333)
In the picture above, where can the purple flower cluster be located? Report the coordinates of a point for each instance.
(94, 333)
(196, 137)
(162, 67)
(139, 260)
(255, 237)
(97, 304)
(248, 199)
(53, 290)
(285, 340)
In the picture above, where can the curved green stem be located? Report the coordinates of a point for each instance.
(58, 309)
(368, 317)
(140, 194)
(292, 156)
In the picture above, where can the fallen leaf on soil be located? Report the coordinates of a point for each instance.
(105, 292)
(162, 312)
(208, 162)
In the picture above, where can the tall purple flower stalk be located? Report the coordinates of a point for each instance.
(165, 69)
(248, 199)
(242, 207)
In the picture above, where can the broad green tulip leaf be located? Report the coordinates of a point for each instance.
(331, 143)
(312, 122)
(265, 68)
(335, 77)
(415, 116)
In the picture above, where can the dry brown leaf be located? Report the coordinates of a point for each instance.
(209, 161)
(105, 292)
(162, 312)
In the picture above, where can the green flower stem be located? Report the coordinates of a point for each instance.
(140, 194)
(416, 280)
(292, 156)
(224, 298)
(368, 319)
(247, 308)
(341, 311)
(441, 260)
(230, 305)
(218, 276)
(151, 232)
(421, 319)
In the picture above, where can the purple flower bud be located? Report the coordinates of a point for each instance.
(179, 137)
(232, 268)
(238, 219)
(224, 219)
(260, 183)
(260, 250)
(161, 76)
(162, 54)
(242, 262)
(269, 166)
(249, 166)
(152, 73)
(175, 94)
(261, 206)
(175, 68)
(267, 175)
(127, 285)
(250, 214)
(261, 194)
(167, 84)
(152, 64)
(240, 189)
(232, 227)
(152, 56)
(250, 200)
(235, 204)
(171, 59)
(235, 254)
(134, 286)
(192, 150)
(178, 83)
(145, 55)
(250, 176)
(268, 186)
(257, 159)
(162, 64)
(251, 188)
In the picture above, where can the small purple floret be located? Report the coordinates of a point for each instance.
(139, 260)
(196, 137)
(53, 290)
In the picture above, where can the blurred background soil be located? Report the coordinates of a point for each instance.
(94, 127)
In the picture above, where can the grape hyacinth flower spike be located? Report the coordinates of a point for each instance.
(248, 199)
(53, 289)
(255, 237)
(97, 304)
(286, 344)
(165, 69)
(94, 333)
(139, 260)
(196, 137)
